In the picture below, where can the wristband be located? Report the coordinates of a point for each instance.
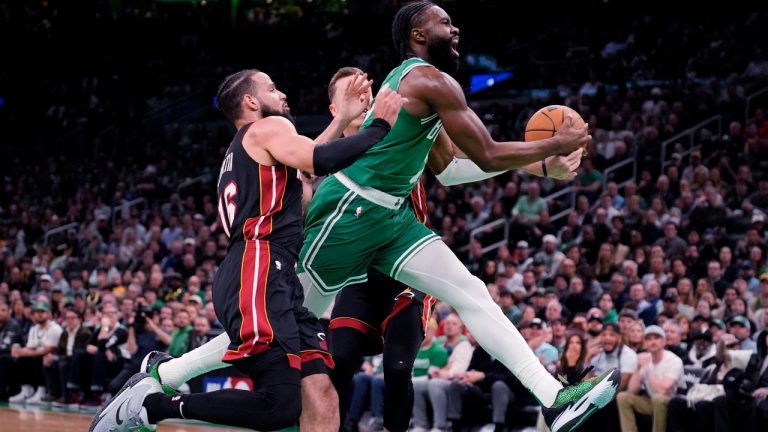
(544, 167)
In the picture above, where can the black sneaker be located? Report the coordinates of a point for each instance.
(575, 403)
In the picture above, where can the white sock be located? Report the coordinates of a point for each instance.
(200, 360)
(435, 270)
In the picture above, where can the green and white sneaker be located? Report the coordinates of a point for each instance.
(574, 404)
(150, 365)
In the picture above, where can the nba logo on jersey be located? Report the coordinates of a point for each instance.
(358, 212)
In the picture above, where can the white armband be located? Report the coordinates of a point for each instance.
(461, 171)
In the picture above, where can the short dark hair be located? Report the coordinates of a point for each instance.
(406, 18)
(231, 92)
(340, 74)
(75, 311)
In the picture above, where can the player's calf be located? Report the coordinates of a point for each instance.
(320, 404)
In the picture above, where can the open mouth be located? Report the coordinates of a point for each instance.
(454, 44)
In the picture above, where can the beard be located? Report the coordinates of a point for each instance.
(440, 56)
(268, 111)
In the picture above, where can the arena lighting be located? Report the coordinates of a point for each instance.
(480, 82)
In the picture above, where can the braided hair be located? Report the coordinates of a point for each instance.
(231, 92)
(405, 19)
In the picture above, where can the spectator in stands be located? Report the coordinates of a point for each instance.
(10, 335)
(611, 353)
(633, 336)
(362, 392)
(694, 412)
(595, 322)
(576, 301)
(437, 387)
(746, 407)
(57, 365)
(42, 340)
(573, 360)
(550, 256)
(658, 373)
(105, 354)
(671, 242)
(532, 332)
(673, 335)
(201, 334)
(739, 326)
(508, 306)
(486, 378)
(606, 305)
(527, 210)
(431, 355)
(453, 332)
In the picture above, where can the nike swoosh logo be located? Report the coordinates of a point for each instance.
(120, 408)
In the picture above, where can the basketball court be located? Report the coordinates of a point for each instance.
(40, 419)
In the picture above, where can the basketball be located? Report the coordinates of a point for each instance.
(544, 123)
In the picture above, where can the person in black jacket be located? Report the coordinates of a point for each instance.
(485, 379)
(10, 333)
(102, 360)
(746, 397)
(57, 365)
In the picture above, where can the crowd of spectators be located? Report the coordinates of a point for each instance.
(665, 276)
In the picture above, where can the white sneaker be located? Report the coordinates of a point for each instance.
(26, 392)
(37, 398)
(126, 411)
(418, 429)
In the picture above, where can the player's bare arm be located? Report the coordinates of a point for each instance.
(431, 90)
(452, 166)
(274, 140)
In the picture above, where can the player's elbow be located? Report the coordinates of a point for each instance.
(487, 162)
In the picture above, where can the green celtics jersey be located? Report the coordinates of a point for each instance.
(395, 164)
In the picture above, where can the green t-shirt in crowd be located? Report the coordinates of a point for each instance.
(179, 341)
(434, 355)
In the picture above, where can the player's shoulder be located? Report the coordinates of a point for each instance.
(430, 82)
(429, 76)
(269, 127)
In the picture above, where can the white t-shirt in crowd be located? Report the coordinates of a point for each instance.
(604, 361)
(670, 366)
(47, 337)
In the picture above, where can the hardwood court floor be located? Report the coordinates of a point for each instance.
(19, 418)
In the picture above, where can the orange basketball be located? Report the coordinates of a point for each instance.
(544, 123)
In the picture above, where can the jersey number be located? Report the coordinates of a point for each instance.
(227, 207)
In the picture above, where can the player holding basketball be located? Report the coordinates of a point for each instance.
(383, 314)
(257, 296)
(358, 217)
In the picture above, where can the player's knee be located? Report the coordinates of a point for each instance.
(476, 297)
(397, 370)
(286, 408)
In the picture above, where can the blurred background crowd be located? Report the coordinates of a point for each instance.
(654, 259)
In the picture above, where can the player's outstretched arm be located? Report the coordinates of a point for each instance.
(278, 137)
(444, 95)
(451, 166)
